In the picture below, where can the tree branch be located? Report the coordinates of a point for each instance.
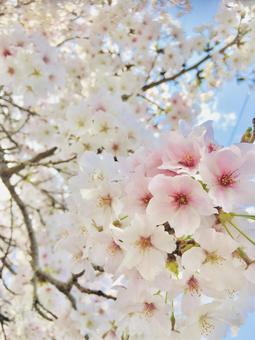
(27, 221)
(63, 287)
(235, 41)
(17, 106)
(93, 291)
(8, 172)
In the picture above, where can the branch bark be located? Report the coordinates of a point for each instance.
(39, 275)
(235, 41)
(8, 172)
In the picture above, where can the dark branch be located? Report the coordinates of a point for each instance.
(8, 172)
(235, 41)
(93, 291)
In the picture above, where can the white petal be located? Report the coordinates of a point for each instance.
(159, 211)
(185, 221)
(152, 263)
(193, 258)
(250, 273)
(162, 240)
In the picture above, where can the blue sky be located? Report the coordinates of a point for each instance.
(230, 98)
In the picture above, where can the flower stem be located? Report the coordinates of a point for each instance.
(172, 317)
(227, 230)
(252, 217)
(242, 233)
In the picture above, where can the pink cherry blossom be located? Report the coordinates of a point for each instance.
(138, 194)
(181, 201)
(182, 154)
(228, 173)
(114, 206)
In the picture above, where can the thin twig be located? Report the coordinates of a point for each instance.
(235, 41)
(7, 172)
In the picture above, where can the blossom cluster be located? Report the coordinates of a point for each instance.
(30, 67)
(115, 225)
(95, 124)
(169, 225)
(125, 47)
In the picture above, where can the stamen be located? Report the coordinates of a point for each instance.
(213, 258)
(146, 199)
(144, 243)
(181, 199)
(226, 180)
(6, 52)
(193, 285)
(105, 201)
(113, 248)
(188, 161)
(206, 325)
(149, 308)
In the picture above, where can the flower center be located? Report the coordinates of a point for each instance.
(6, 52)
(113, 248)
(78, 256)
(115, 147)
(193, 285)
(46, 59)
(149, 308)
(206, 325)
(146, 199)
(181, 199)
(105, 201)
(226, 180)
(104, 127)
(188, 161)
(11, 71)
(144, 243)
(213, 258)
(211, 147)
(80, 123)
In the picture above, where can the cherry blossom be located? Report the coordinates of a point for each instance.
(180, 201)
(146, 246)
(121, 215)
(228, 173)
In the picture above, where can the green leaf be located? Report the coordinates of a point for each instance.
(172, 266)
